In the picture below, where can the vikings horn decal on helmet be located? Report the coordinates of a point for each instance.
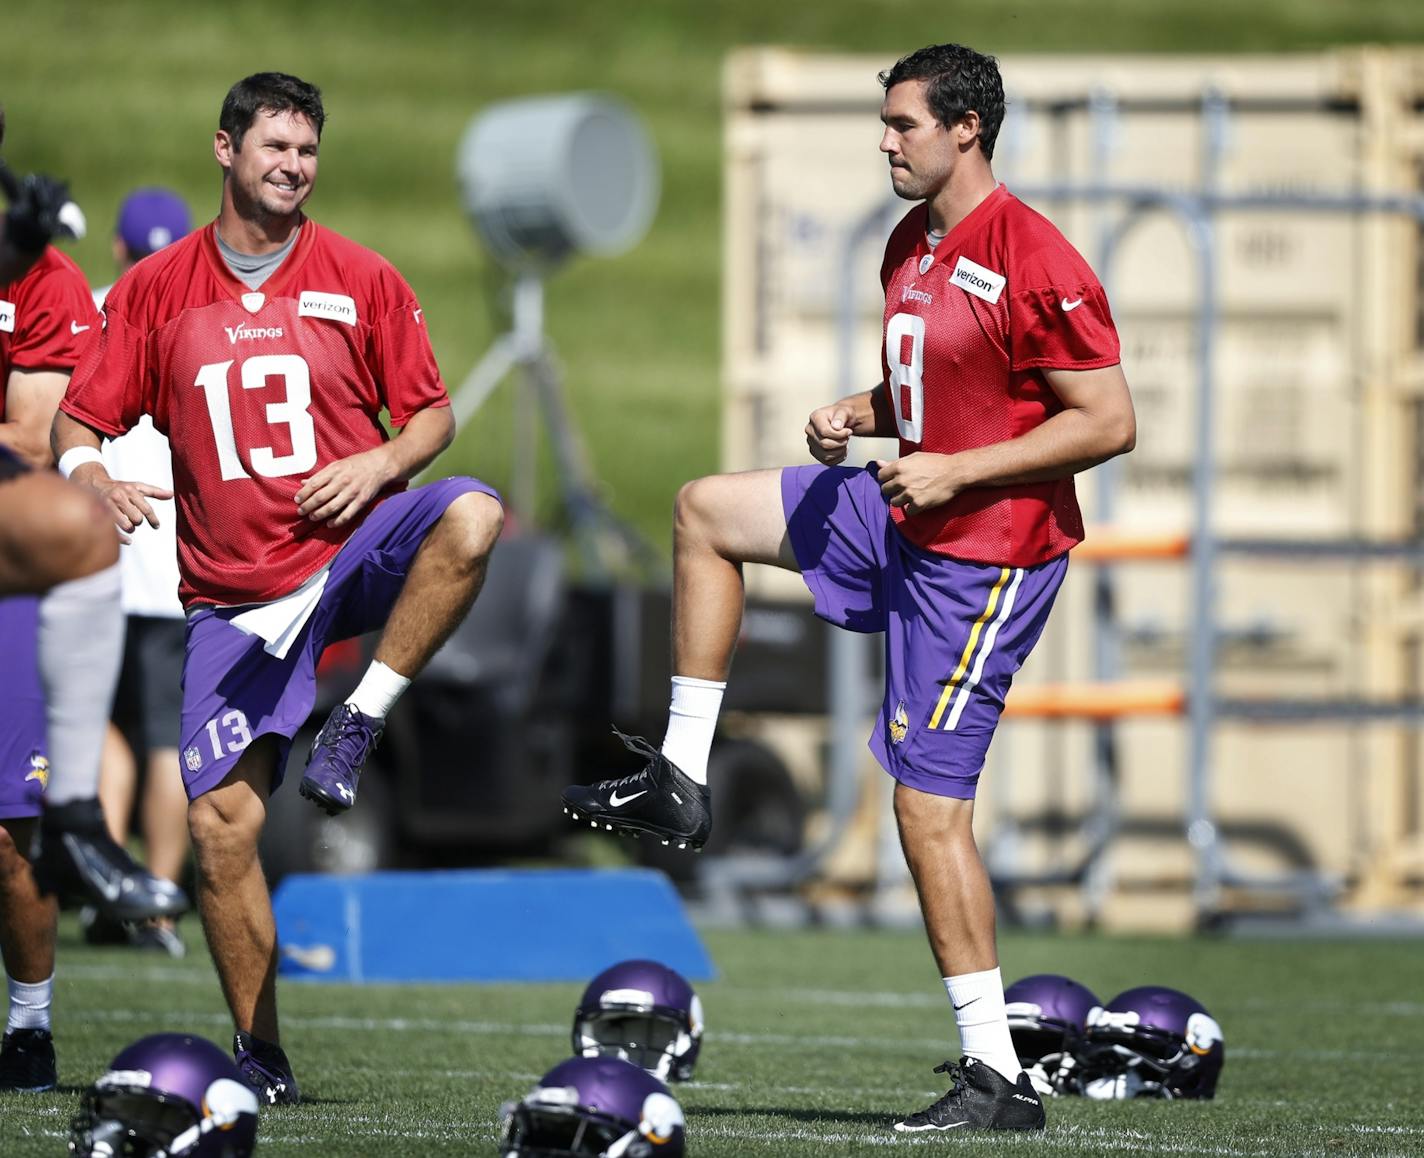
(598, 1107)
(1047, 1016)
(1152, 1042)
(642, 1012)
(170, 1095)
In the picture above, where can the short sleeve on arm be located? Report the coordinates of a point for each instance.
(405, 364)
(106, 389)
(1058, 314)
(59, 314)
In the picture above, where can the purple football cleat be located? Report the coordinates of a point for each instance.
(337, 755)
(264, 1067)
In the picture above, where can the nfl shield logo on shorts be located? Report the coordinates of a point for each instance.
(193, 759)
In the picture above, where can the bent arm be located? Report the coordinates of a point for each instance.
(338, 492)
(419, 441)
(1096, 423)
(32, 398)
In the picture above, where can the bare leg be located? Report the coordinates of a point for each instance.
(51, 531)
(27, 920)
(163, 814)
(232, 892)
(956, 899)
(444, 579)
(118, 780)
(720, 523)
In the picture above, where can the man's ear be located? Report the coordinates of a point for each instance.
(223, 148)
(966, 130)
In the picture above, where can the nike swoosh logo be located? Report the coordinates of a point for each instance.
(76, 328)
(966, 1005)
(1069, 307)
(616, 801)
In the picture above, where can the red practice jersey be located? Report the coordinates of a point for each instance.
(44, 318)
(969, 329)
(257, 391)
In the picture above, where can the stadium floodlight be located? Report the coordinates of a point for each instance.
(545, 178)
(548, 177)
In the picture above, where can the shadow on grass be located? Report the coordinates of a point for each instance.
(846, 1117)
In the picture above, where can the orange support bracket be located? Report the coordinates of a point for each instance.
(1096, 700)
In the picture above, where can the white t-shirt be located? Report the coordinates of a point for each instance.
(148, 564)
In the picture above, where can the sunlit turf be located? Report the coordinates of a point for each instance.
(815, 1041)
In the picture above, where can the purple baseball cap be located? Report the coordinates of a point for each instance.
(151, 218)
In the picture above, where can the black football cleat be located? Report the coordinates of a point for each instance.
(266, 1069)
(75, 856)
(661, 801)
(980, 1098)
(27, 1062)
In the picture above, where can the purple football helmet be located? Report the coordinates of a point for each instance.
(1152, 1042)
(166, 1096)
(1047, 1016)
(642, 1012)
(599, 1107)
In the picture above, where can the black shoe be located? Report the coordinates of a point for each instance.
(266, 1069)
(27, 1061)
(155, 938)
(101, 930)
(75, 856)
(980, 1099)
(661, 800)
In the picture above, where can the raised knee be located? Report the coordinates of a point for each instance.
(474, 521)
(695, 505)
(80, 535)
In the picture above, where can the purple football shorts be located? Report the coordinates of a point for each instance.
(235, 691)
(955, 631)
(24, 771)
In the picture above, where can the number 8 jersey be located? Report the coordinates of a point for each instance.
(256, 391)
(970, 326)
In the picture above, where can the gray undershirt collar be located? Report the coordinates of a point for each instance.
(254, 269)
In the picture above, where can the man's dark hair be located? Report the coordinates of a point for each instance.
(269, 92)
(958, 79)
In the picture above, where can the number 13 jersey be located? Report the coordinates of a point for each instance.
(257, 390)
(970, 326)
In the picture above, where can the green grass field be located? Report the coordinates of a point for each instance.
(814, 1041)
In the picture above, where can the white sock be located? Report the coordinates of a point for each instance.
(81, 642)
(692, 718)
(29, 1004)
(978, 1000)
(378, 691)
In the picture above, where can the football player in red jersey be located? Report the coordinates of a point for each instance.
(265, 347)
(53, 538)
(1001, 380)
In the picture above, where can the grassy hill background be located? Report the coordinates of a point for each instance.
(126, 93)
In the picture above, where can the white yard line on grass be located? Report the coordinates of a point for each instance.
(814, 1041)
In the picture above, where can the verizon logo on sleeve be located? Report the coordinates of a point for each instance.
(974, 279)
(7, 317)
(333, 307)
